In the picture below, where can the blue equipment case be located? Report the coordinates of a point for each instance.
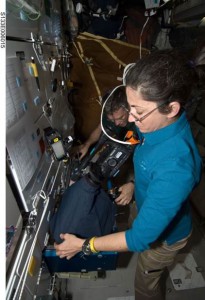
(80, 263)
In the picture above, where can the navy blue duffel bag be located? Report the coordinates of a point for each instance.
(86, 210)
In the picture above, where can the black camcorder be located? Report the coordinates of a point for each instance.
(104, 160)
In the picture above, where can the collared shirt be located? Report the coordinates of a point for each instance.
(167, 167)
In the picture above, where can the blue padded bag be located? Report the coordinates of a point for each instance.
(85, 210)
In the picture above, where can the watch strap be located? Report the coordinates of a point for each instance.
(86, 247)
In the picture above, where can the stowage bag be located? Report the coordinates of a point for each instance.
(85, 210)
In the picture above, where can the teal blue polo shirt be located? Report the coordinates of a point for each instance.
(167, 168)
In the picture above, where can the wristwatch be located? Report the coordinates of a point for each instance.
(86, 247)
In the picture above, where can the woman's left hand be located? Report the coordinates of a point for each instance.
(69, 247)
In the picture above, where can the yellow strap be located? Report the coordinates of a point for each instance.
(90, 35)
(105, 47)
(82, 57)
(92, 248)
(95, 82)
(98, 39)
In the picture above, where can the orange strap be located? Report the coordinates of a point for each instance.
(132, 138)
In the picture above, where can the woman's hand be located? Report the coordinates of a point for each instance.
(126, 193)
(69, 247)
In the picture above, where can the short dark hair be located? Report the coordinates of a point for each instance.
(116, 100)
(163, 76)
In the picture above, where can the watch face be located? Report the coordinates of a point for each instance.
(86, 247)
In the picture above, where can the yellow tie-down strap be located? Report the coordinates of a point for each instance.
(88, 62)
(100, 40)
